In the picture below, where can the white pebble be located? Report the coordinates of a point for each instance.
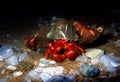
(53, 70)
(17, 74)
(11, 67)
(43, 62)
(52, 62)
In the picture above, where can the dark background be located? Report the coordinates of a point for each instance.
(21, 10)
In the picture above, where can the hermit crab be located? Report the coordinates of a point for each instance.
(61, 44)
(60, 49)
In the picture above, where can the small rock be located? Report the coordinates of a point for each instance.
(53, 70)
(88, 70)
(52, 62)
(6, 53)
(83, 59)
(109, 61)
(17, 74)
(43, 62)
(33, 74)
(94, 53)
(11, 67)
(12, 60)
(22, 56)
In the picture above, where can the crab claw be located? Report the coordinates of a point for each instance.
(72, 50)
(30, 43)
(59, 58)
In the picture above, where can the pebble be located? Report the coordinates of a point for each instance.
(53, 70)
(109, 61)
(17, 74)
(22, 56)
(52, 62)
(12, 60)
(44, 73)
(89, 71)
(11, 67)
(44, 62)
(33, 75)
(6, 53)
(83, 59)
(94, 53)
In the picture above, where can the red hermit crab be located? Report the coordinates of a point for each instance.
(60, 49)
(61, 46)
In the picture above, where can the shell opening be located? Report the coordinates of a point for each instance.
(100, 29)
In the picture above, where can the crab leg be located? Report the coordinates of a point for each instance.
(79, 48)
